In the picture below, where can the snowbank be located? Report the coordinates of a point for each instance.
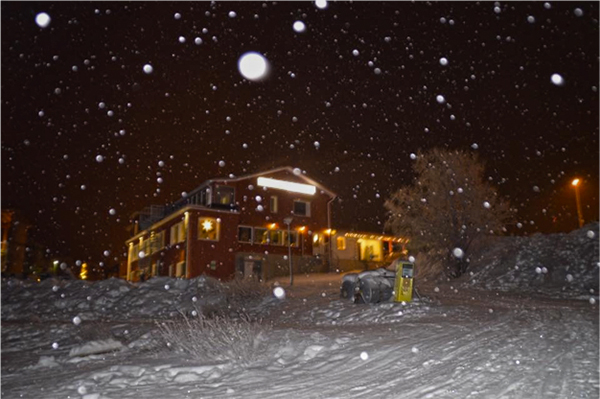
(112, 299)
(552, 264)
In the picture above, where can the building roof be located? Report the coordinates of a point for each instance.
(239, 178)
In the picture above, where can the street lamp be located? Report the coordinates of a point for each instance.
(288, 221)
(575, 183)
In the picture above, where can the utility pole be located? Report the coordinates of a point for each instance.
(288, 221)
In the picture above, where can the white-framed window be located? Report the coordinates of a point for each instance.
(293, 238)
(341, 243)
(261, 235)
(180, 269)
(275, 237)
(245, 234)
(177, 233)
(301, 208)
(208, 229)
(274, 204)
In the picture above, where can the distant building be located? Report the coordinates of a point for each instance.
(358, 250)
(14, 243)
(230, 226)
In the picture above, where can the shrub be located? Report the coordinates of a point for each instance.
(221, 338)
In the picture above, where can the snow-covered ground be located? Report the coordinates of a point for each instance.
(453, 343)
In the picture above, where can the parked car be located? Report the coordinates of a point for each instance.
(371, 286)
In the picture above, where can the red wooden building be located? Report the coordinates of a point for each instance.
(234, 225)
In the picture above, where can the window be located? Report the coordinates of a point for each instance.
(154, 269)
(224, 195)
(261, 235)
(301, 208)
(274, 204)
(145, 247)
(316, 241)
(157, 242)
(293, 238)
(244, 234)
(180, 269)
(208, 229)
(341, 243)
(275, 237)
(177, 233)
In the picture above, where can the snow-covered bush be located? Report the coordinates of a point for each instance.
(221, 338)
(449, 207)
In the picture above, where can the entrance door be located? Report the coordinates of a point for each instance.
(248, 268)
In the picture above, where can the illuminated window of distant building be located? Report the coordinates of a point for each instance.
(275, 237)
(157, 241)
(274, 204)
(177, 233)
(293, 238)
(341, 243)
(301, 208)
(261, 235)
(145, 247)
(244, 234)
(208, 229)
(224, 195)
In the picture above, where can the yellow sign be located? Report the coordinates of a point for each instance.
(404, 282)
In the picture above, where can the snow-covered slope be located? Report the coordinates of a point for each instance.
(553, 264)
(320, 346)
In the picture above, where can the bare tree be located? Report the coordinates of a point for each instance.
(449, 206)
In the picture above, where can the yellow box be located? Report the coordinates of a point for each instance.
(403, 285)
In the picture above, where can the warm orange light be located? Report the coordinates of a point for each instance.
(302, 228)
(328, 231)
(575, 182)
(273, 226)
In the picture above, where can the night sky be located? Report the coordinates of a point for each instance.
(76, 90)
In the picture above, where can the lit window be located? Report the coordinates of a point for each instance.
(208, 229)
(275, 237)
(341, 243)
(293, 239)
(261, 235)
(224, 195)
(315, 239)
(301, 208)
(244, 234)
(157, 242)
(274, 204)
(177, 233)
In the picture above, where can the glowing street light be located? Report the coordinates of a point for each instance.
(575, 183)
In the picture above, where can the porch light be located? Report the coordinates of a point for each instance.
(315, 238)
(302, 228)
(273, 226)
(287, 185)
